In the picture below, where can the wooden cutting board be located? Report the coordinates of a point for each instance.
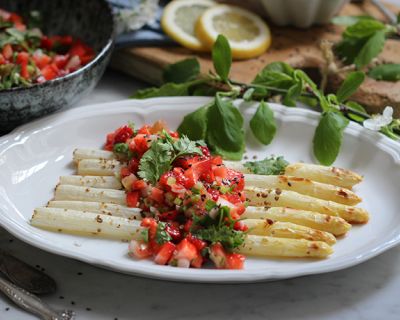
(300, 48)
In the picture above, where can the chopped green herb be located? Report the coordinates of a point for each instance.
(268, 166)
(162, 235)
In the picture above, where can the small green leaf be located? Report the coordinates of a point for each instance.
(263, 124)
(357, 107)
(350, 85)
(348, 49)
(328, 137)
(194, 125)
(371, 49)
(363, 28)
(182, 71)
(276, 74)
(222, 57)
(268, 166)
(293, 93)
(225, 134)
(386, 72)
(349, 20)
(166, 90)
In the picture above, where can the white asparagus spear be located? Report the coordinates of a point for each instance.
(304, 186)
(283, 198)
(85, 223)
(332, 175)
(329, 175)
(278, 229)
(105, 182)
(80, 154)
(75, 193)
(280, 247)
(335, 225)
(96, 167)
(109, 209)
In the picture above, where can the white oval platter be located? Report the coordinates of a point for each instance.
(34, 156)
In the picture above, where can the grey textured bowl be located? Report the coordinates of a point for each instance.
(89, 20)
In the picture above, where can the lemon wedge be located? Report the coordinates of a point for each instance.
(248, 35)
(179, 20)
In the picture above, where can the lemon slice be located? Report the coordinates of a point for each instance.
(179, 20)
(248, 35)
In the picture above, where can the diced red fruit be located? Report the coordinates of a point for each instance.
(168, 216)
(139, 185)
(174, 232)
(224, 260)
(74, 63)
(22, 60)
(240, 226)
(140, 249)
(141, 145)
(188, 225)
(164, 254)
(41, 59)
(174, 134)
(197, 262)
(196, 170)
(132, 199)
(157, 195)
(133, 165)
(49, 72)
(7, 51)
(184, 253)
(124, 172)
(220, 171)
(150, 224)
(61, 60)
(205, 151)
(198, 243)
(122, 134)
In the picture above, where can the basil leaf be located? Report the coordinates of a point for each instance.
(363, 28)
(222, 57)
(371, 49)
(293, 93)
(225, 134)
(167, 90)
(386, 72)
(328, 137)
(349, 20)
(182, 71)
(350, 85)
(263, 124)
(356, 107)
(268, 166)
(194, 125)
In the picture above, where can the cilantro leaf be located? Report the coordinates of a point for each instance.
(155, 161)
(268, 166)
(184, 146)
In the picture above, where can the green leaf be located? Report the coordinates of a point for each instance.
(194, 125)
(357, 107)
(363, 28)
(225, 134)
(385, 72)
(349, 20)
(155, 161)
(371, 49)
(276, 74)
(348, 49)
(248, 94)
(350, 85)
(268, 166)
(184, 146)
(166, 90)
(222, 57)
(182, 71)
(293, 94)
(229, 238)
(328, 137)
(263, 124)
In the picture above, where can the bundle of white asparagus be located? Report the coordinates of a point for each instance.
(298, 214)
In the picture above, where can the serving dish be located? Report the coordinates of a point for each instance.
(302, 13)
(91, 21)
(35, 155)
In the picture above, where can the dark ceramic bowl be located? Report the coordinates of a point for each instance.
(89, 20)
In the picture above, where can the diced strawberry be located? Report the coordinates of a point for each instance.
(22, 60)
(174, 232)
(188, 224)
(139, 249)
(168, 216)
(151, 224)
(144, 130)
(139, 185)
(220, 171)
(134, 165)
(132, 199)
(198, 243)
(240, 226)
(73, 63)
(218, 255)
(61, 60)
(141, 145)
(197, 262)
(157, 195)
(165, 253)
(49, 72)
(41, 59)
(122, 134)
(46, 43)
(235, 261)
(184, 254)
(2, 59)
(7, 51)
(124, 172)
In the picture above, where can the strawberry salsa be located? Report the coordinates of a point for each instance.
(191, 203)
(27, 56)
